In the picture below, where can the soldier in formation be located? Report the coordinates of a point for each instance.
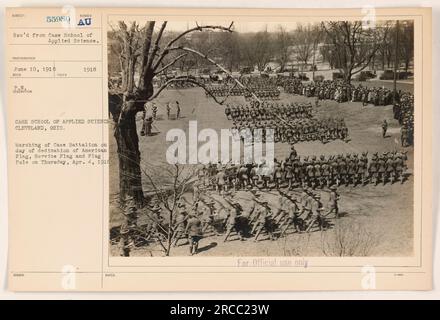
(251, 218)
(404, 113)
(263, 88)
(340, 91)
(290, 123)
(296, 171)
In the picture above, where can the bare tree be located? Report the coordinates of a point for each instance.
(304, 39)
(354, 45)
(317, 34)
(145, 55)
(385, 50)
(228, 48)
(348, 240)
(257, 49)
(407, 43)
(282, 43)
(327, 54)
(168, 184)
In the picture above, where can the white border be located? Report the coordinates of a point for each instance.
(434, 294)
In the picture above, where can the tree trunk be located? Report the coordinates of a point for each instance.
(125, 133)
(347, 77)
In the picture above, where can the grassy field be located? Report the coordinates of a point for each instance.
(385, 211)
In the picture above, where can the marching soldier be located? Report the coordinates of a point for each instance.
(157, 219)
(362, 168)
(316, 217)
(177, 110)
(333, 202)
(168, 110)
(154, 111)
(147, 125)
(264, 222)
(381, 169)
(384, 128)
(389, 165)
(292, 216)
(194, 230)
(306, 203)
(232, 219)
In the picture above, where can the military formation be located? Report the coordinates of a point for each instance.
(308, 171)
(404, 113)
(296, 184)
(233, 216)
(291, 122)
(227, 90)
(229, 200)
(294, 131)
(263, 88)
(340, 91)
(268, 111)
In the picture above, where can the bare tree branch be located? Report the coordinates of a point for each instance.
(164, 68)
(189, 79)
(197, 28)
(156, 45)
(145, 53)
(204, 56)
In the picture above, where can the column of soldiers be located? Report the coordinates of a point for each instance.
(294, 211)
(231, 90)
(340, 91)
(404, 113)
(291, 123)
(312, 171)
(263, 88)
(297, 212)
(269, 111)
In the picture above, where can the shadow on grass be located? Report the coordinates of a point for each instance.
(209, 246)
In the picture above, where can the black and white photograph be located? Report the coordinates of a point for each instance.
(260, 138)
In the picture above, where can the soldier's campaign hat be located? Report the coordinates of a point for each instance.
(180, 204)
(333, 187)
(124, 230)
(317, 196)
(256, 191)
(156, 207)
(131, 210)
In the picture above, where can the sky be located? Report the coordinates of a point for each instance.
(238, 26)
